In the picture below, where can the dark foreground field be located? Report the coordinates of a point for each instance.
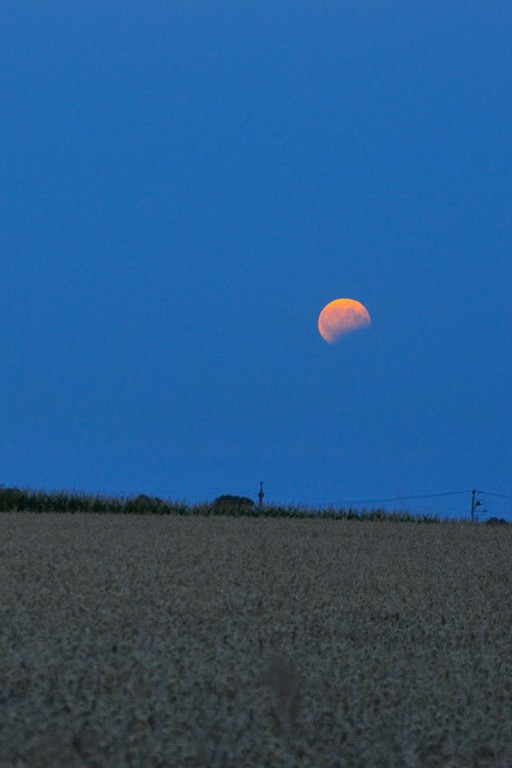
(130, 640)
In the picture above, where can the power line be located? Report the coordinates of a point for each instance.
(340, 502)
(412, 497)
(406, 498)
(497, 495)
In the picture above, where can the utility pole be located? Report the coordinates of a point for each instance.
(260, 496)
(474, 504)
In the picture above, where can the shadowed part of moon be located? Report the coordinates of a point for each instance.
(340, 317)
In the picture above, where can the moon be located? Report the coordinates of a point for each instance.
(340, 317)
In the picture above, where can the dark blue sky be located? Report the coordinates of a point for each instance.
(184, 186)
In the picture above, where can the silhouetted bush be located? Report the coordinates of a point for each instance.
(233, 505)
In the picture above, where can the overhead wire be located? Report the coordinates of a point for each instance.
(404, 498)
(497, 495)
(409, 497)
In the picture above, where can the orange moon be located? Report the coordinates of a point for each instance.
(340, 317)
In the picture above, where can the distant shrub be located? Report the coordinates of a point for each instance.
(496, 521)
(145, 505)
(233, 505)
(13, 498)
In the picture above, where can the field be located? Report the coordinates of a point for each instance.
(129, 640)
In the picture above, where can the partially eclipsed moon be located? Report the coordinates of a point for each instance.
(340, 317)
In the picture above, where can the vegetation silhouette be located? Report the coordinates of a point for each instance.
(39, 501)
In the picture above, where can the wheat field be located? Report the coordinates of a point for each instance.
(130, 640)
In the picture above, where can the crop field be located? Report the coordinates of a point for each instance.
(217, 642)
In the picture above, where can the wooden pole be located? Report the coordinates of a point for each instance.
(474, 504)
(260, 496)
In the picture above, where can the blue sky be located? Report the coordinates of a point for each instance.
(186, 184)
